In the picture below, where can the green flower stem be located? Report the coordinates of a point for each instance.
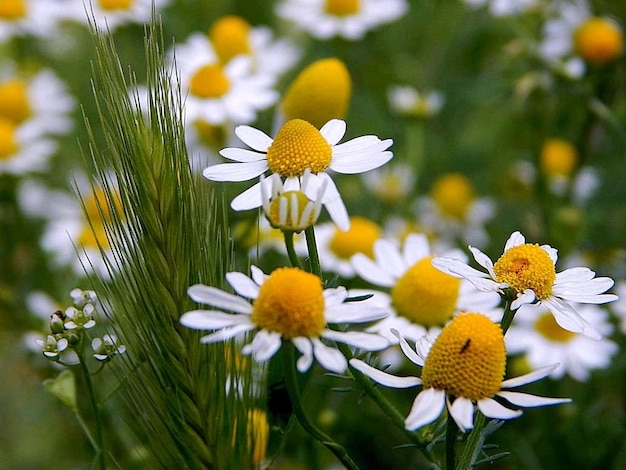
(291, 383)
(452, 431)
(311, 245)
(291, 252)
(414, 136)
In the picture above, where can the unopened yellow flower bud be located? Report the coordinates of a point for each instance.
(599, 40)
(558, 158)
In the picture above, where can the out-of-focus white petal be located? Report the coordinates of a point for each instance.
(211, 320)
(243, 285)
(365, 341)
(462, 411)
(530, 377)
(263, 346)
(305, 347)
(329, 358)
(384, 378)
(407, 350)
(235, 171)
(218, 298)
(528, 401)
(227, 333)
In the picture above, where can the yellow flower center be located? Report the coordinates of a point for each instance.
(468, 358)
(290, 302)
(342, 7)
(547, 326)
(298, 145)
(14, 102)
(454, 194)
(282, 210)
(425, 295)
(258, 434)
(359, 238)
(12, 9)
(209, 81)
(116, 4)
(213, 136)
(229, 36)
(97, 211)
(558, 158)
(599, 40)
(8, 144)
(320, 92)
(527, 266)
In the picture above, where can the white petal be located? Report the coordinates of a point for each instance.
(251, 198)
(254, 138)
(258, 275)
(218, 298)
(492, 409)
(389, 258)
(484, 260)
(243, 285)
(416, 247)
(211, 320)
(365, 341)
(462, 411)
(426, 408)
(242, 155)
(515, 239)
(530, 377)
(458, 268)
(369, 270)
(351, 164)
(354, 312)
(334, 296)
(569, 319)
(384, 378)
(526, 297)
(227, 333)
(407, 350)
(333, 131)
(235, 171)
(306, 348)
(528, 401)
(338, 213)
(263, 346)
(329, 358)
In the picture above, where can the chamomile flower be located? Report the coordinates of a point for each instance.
(537, 336)
(352, 19)
(38, 18)
(111, 14)
(499, 8)
(420, 296)
(462, 370)
(287, 305)
(409, 102)
(390, 184)
(619, 307)
(299, 146)
(23, 148)
(219, 93)
(526, 274)
(454, 212)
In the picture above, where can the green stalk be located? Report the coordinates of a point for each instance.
(311, 245)
(291, 383)
(291, 252)
(451, 433)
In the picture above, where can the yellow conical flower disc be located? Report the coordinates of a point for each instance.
(547, 326)
(558, 157)
(359, 238)
(98, 211)
(209, 81)
(342, 7)
(468, 358)
(116, 4)
(297, 146)
(229, 36)
(527, 267)
(290, 302)
(8, 144)
(320, 92)
(14, 102)
(290, 197)
(425, 295)
(12, 9)
(454, 194)
(599, 40)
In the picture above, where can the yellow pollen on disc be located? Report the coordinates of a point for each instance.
(98, 211)
(558, 158)
(14, 102)
(290, 302)
(319, 93)
(468, 358)
(599, 40)
(298, 145)
(8, 143)
(359, 238)
(209, 81)
(453, 193)
(12, 9)
(527, 266)
(302, 201)
(425, 295)
(342, 7)
(116, 4)
(547, 326)
(229, 36)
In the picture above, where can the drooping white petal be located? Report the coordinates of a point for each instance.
(530, 377)
(235, 171)
(242, 155)
(338, 213)
(408, 351)
(218, 298)
(369, 270)
(458, 268)
(251, 198)
(333, 131)
(462, 411)
(354, 312)
(492, 409)
(258, 275)
(529, 401)
(426, 408)
(305, 347)
(384, 378)
(211, 319)
(567, 318)
(484, 260)
(329, 358)
(254, 138)
(227, 333)
(365, 341)
(243, 285)
(553, 253)
(523, 298)
(263, 346)
(416, 247)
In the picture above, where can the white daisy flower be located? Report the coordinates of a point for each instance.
(537, 336)
(420, 296)
(299, 146)
(288, 305)
(500, 8)
(218, 93)
(409, 102)
(526, 273)
(462, 370)
(23, 148)
(390, 184)
(352, 19)
(619, 307)
(38, 18)
(111, 14)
